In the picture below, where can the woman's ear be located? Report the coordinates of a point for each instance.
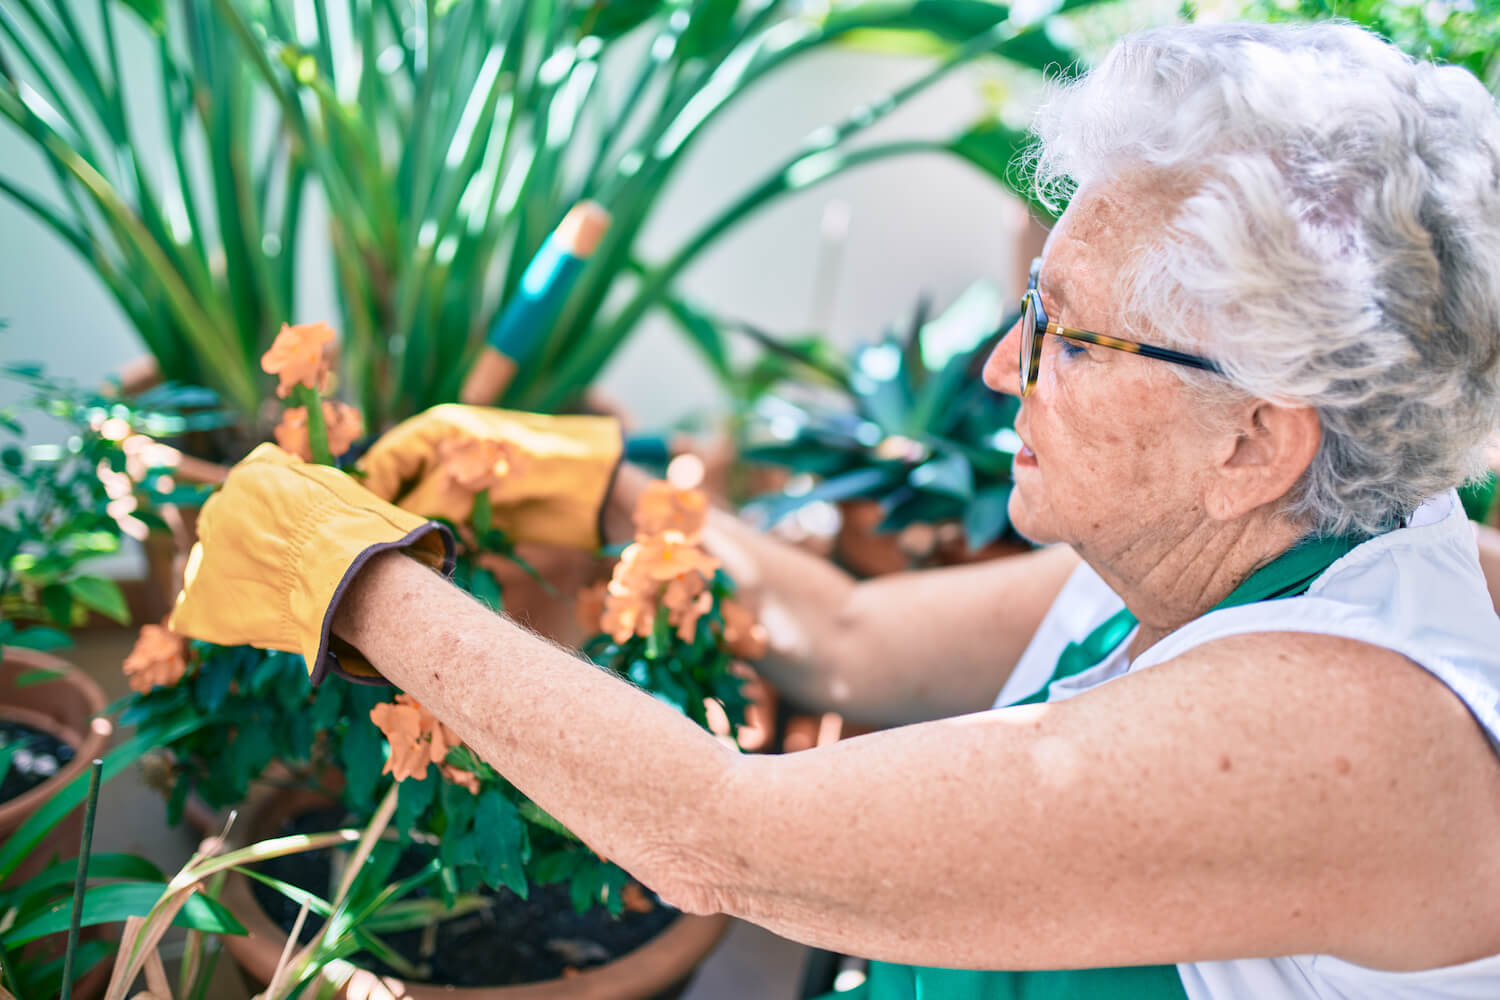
(1273, 447)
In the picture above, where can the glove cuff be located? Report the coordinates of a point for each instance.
(433, 544)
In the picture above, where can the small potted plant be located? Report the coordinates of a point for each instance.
(903, 435)
(61, 506)
(468, 849)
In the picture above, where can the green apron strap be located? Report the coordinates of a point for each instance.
(905, 982)
(1288, 575)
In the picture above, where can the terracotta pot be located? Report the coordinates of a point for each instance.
(863, 550)
(62, 708)
(660, 965)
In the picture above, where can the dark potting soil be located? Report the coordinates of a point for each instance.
(34, 756)
(510, 942)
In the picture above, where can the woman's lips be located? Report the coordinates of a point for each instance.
(1025, 456)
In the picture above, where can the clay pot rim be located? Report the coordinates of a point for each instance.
(86, 746)
(662, 961)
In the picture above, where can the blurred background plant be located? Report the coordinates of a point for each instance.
(65, 504)
(1462, 32)
(448, 141)
(904, 422)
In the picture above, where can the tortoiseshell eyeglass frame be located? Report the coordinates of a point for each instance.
(1034, 324)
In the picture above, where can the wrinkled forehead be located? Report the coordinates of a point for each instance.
(1122, 214)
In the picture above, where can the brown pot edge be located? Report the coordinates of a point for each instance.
(92, 744)
(653, 967)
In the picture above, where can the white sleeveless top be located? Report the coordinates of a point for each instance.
(1417, 590)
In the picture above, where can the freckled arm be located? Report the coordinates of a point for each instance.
(1106, 830)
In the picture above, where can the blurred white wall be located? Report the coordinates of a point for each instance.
(919, 225)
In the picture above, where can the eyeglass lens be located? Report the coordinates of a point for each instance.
(1028, 333)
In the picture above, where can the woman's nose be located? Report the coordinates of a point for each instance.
(1002, 371)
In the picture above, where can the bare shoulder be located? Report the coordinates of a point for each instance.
(1347, 757)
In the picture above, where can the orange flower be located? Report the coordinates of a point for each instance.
(590, 607)
(687, 598)
(477, 464)
(297, 356)
(343, 422)
(745, 636)
(627, 614)
(159, 657)
(462, 778)
(635, 898)
(416, 737)
(664, 508)
(665, 557)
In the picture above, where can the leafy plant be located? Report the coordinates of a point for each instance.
(119, 886)
(905, 421)
(62, 505)
(1465, 34)
(448, 141)
(672, 626)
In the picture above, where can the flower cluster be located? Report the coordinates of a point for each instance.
(343, 422)
(478, 465)
(417, 739)
(159, 657)
(301, 356)
(667, 569)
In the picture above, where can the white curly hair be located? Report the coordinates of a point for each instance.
(1340, 247)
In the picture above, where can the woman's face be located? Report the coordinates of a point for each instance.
(1116, 451)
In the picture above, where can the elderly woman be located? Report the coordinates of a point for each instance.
(1253, 687)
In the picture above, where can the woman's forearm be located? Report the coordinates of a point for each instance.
(560, 729)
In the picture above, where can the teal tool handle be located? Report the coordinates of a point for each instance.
(544, 288)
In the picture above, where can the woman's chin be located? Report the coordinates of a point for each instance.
(1025, 521)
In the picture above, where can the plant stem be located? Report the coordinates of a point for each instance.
(317, 427)
(80, 880)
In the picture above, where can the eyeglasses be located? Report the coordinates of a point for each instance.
(1034, 323)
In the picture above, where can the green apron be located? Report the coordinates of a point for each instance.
(1287, 576)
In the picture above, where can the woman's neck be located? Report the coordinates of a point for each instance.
(1170, 578)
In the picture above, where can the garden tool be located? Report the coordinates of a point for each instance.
(547, 478)
(544, 288)
(279, 545)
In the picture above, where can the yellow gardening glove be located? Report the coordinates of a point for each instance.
(547, 477)
(277, 548)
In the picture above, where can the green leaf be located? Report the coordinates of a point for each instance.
(865, 482)
(40, 675)
(560, 865)
(101, 866)
(59, 604)
(40, 637)
(483, 514)
(906, 506)
(702, 334)
(987, 516)
(486, 588)
(501, 842)
(712, 21)
(415, 797)
(211, 686)
(362, 760)
(153, 12)
(950, 474)
(107, 904)
(995, 149)
(45, 979)
(23, 840)
(534, 813)
(612, 18)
